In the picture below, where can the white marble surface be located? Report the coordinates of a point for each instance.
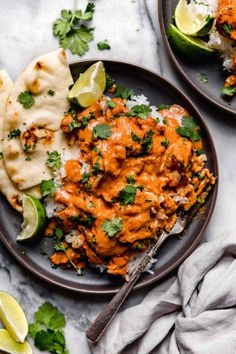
(131, 27)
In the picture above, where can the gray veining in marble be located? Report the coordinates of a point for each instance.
(131, 27)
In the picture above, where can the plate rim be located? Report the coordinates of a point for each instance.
(155, 278)
(172, 56)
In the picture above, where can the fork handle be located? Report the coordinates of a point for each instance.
(97, 328)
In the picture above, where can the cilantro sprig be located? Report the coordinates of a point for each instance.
(26, 99)
(123, 92)
(14, 134)
(54, 160)
(71, 33)
(189, 129)
(102, 131)
(127, 194)
(142, 111)
(47, 330)
(47, 187)
(112, 227)
(103, 45)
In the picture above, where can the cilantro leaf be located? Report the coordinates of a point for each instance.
(123, 92)
(102, 131)
(26, 99)
(135, 137)
(189, 129)
(109, 82)
(147, 142)
(111, 103)
(112, 227)
(165, 143)
(72, 35)
(85, 178)
(54, 160)
(1, 155)
(130, 179)
(49, 316)
(103, 45)
(127, 194)
(227, 28)
(52, 341)
(142, 111)
(47, 187)
(163, 106)
(229, 91)
(14, 134)
(34, 328)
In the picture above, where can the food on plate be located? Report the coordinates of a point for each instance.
(203, 28)
(112, 176)
(6, 186)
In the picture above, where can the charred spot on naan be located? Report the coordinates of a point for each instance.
(32, 136)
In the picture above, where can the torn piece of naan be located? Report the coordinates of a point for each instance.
(6, 186)
(34, 111)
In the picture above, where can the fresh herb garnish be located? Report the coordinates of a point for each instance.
(85, 178)
(142, 111)
(96, 168)
(123, 92)
(135, 137)
(28, 158)
(165, 143)
(54, 160)
(227, 28)
(47, 330)
(14, 134)
(109, 82)
(127, 194)
(57, 237)
(229, 91)
(103, 45)
(47, 187)
(111, 104)
(72, 35)
(112, 227)
(88, 221)
(189, 129)
(163, 106)
(51, 92)
(102, 131)
(203, 78)
(147, 142)
(130, 179)
(26, 99)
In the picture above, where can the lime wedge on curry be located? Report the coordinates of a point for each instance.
(190, 47)
(12, 317)
(9, 345)
(90, 85)
(34, 218)
(191, 23)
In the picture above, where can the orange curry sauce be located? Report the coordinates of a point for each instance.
(137, 177)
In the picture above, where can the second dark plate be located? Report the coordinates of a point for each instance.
(192, 72)
(35, 257)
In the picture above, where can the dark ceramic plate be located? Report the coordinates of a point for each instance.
(191, 72)
(35, 257)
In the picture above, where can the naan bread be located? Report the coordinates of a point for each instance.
(25, 162)
(6, 186)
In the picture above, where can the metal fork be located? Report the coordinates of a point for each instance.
(97, 328)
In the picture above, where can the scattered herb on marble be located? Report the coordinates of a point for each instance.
(47, 330)
(26, 99)
(71, 33)
(103, 45)
(203, 78)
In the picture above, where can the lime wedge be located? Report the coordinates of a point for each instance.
(9, 345)
(190, 47)
(191, 23)
(13, 318)
(90, 85)
(34, 218)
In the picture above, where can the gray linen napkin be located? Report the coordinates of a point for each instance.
(194, 312)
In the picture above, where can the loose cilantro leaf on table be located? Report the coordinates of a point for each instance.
(203, 78)
(26, 99)
(102, 131)
(127, 194)
(47, 187)
(103, 45)
(189, 129)
(47, 330)
(112, 227)
(72, 35)
(229, 91)
(123, 92)
(14, 134)
(54, 160)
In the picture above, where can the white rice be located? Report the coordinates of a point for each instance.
(225, 48)
(52, 207)
(141, 99)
